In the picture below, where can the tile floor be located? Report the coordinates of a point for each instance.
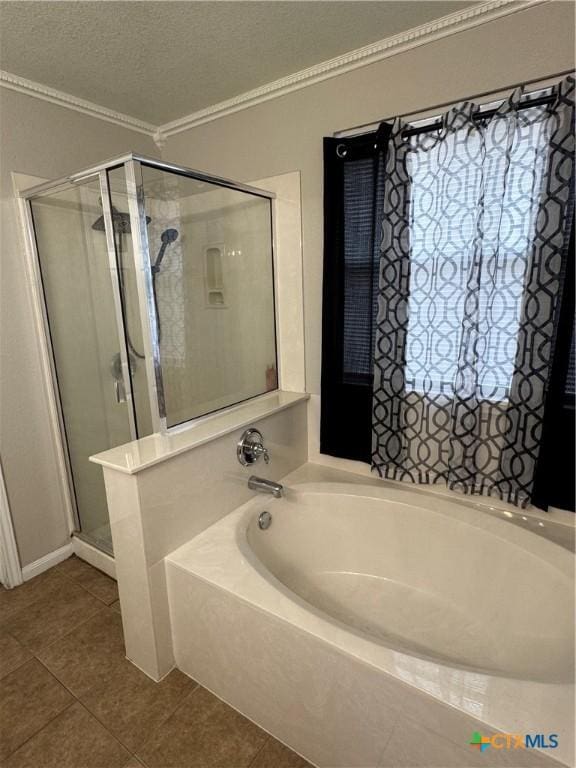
(69, 698)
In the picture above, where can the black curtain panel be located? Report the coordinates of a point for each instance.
(554, 477)
(353, 207)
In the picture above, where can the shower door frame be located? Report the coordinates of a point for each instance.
(132, 164)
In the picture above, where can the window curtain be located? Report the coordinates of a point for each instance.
(475, 237)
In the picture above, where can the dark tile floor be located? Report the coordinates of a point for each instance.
(69, 698)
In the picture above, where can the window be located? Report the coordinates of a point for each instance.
(554, 482)
(362, 191)
(441, 258)
(353, 198)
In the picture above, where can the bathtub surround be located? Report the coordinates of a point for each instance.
(355, 698)
(163, 491)
(187, 573)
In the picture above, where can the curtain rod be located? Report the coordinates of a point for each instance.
(542, 82)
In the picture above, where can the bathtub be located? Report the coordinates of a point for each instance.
(371, 625)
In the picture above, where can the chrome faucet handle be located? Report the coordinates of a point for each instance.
(259, 450)
(251, 447)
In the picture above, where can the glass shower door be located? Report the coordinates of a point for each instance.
(81, 297)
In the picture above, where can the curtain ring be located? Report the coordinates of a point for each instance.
(341, 150)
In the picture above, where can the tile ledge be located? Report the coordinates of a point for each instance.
(138, 455)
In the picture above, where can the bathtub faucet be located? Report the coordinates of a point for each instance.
(261, 485)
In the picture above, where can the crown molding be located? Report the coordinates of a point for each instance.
(445, 26)
(62, 99)
(369, 54)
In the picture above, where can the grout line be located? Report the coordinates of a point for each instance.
(24, 648)
(108, 731)
(59, 639)
(58, 680)
(79, 584)
(395, 721)
(79, 701)
(165, 720)
(46, 599)
(51, 720)
(46, 724)
(83, 621)
(118, 738)
(260, 750)
(93, 714)
(75, 698)
(16, 668)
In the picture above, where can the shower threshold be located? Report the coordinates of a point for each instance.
(95, 550)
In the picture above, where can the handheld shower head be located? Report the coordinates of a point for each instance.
(169, 236)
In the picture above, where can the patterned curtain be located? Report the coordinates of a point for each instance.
(475, 238)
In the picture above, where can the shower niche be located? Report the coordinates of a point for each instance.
(158, 296)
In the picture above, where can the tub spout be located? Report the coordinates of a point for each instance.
(261, 485)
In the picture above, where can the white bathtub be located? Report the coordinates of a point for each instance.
(365, 609)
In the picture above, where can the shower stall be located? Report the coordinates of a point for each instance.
(157, 292)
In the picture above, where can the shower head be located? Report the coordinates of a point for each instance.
(169, 236)
(120, 221)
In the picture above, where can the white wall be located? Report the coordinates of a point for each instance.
(39, 139)
(285, 134)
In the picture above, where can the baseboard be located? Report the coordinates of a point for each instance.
(94, 556)
(46, 562)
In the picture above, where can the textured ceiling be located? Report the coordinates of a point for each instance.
(161, 59)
